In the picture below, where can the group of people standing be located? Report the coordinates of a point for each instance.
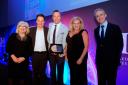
(57, 43)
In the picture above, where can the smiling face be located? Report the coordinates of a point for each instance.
(22, 29)
(100, 16)
(76, 25)
(56, 17)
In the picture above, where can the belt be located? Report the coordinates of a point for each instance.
(40, 52)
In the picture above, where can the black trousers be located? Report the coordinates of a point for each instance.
(39, 63)
(56, 61)
(107, 74)
(78, 73)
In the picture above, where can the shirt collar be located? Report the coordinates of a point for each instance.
(105, 23)
(57, 24)
(40, 29)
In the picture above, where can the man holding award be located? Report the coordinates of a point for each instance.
(57, 41)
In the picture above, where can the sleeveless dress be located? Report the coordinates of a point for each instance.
(75, 46)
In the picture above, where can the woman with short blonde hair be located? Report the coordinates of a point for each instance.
(19, 48)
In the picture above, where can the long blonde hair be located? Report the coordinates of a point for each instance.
(71, 29)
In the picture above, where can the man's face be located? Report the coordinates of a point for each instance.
(56, 17)
(40, 21)
(100, 16)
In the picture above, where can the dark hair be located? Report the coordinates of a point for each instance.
(55, 11)
(40, 15)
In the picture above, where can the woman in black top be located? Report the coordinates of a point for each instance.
(19, 48)
(77, 52)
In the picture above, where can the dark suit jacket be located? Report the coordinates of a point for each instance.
(110, 48)
(33, 36)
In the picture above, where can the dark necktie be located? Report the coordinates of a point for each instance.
(54, 34)
(102, 31)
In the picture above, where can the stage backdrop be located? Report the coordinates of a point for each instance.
(117, 14)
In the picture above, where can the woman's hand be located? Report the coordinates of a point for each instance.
(14, 58)
(66, 58)
(79, 61)
(65, 53)
(21, 59)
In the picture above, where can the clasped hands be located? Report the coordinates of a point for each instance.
(17, 60)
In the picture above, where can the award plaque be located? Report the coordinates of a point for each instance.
(56, 48)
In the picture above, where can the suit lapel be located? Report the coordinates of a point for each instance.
(98, 32)
(106, 33)
(107, 30)
(45, 33)
(45, 36)
(34, 35)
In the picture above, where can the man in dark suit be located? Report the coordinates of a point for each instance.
(40, 50)
(109, 43)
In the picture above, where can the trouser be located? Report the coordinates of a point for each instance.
(39, 63)
(106, 74)
(56, 61)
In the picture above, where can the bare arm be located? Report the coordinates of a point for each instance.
(65, 52)
(86, 43)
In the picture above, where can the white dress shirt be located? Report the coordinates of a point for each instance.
(105, 27)
(52, 31)
(40, 41)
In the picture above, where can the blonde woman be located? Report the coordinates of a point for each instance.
(77, 52)
(19, 48)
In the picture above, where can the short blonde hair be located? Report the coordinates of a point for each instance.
(24, 24)
(72, 20)
(99, 9)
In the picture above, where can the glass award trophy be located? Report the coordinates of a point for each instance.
(56, 48)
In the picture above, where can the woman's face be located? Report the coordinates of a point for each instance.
(22, 29)
(76, 25)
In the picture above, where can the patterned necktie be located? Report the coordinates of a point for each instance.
(54, 34)
(102, 31)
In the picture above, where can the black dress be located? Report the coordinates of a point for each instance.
(20, 48)
(75, 46)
